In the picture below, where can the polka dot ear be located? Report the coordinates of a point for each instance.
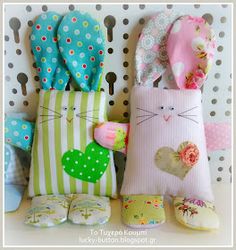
(151, 58)
(190, 47)
(81, 44)
(44, 46)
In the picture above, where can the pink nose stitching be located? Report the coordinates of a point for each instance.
(166, 118)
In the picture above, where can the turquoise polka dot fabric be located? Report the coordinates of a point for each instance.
(19, 133)
(52, 71)
(81, 44)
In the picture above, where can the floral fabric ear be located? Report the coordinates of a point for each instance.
(190, 48)
(51, 68)
(151, 57)
(81, 44)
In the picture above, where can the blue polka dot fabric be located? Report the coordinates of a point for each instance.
(52, 71)
(19, 133)
(81, 44)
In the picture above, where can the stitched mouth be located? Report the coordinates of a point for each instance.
(166, 117)
(69, 120)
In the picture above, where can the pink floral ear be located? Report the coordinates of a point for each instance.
(151, 57)
(190, 47)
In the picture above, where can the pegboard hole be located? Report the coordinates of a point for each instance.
(125, 102)
(110, 50)
(125, 21)
(28, 8)
(71, 7)
(125, 77)
(125, 6)
(221, 34)
(220, 48)
(111, 103)
(212, 113)
(18, 52)
(125, 90)
(11, 103)
(125, 64)
(169, 6)
(125, 36)
(125, 50)
(98, 6)
(126, 114)
(223, 19)
(44, 8)
(141, 21)
(215, 88)
(228, 101)
(213, 101)
(141, 6)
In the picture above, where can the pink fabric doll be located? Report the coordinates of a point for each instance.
(168, 141)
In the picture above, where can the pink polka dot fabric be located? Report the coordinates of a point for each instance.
(218, 136)
(190, 47)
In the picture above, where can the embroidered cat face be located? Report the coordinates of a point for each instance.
(69, 113)
(166, 107)
(166, 113)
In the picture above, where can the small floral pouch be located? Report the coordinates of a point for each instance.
(196, 214)
(47, 211)
(89, 209)
(143, 211)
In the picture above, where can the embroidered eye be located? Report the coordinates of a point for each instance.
(73, 108)
(64, 108)
(171, 108)
(162, 107)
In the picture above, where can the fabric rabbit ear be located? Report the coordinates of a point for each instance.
(151, 58)
(51, 68)
(190, 48)
(81, 44)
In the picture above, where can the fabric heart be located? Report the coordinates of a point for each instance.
(177, 163)
(88, 166)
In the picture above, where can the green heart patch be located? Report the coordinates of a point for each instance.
(177, 163)
(88, 166)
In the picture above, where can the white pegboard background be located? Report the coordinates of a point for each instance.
(130, 19)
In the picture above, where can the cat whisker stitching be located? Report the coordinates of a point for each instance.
(187, 115)
(88, 120)
(147, 119)
(50, 110)
(188, 110)
(150, 112)
(49, 120)
(85, 116)
(139, 116)
(188, 118)
(93, 110)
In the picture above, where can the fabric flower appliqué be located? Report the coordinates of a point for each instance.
(179, 162)
(189, 155)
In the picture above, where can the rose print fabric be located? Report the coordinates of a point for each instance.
(190, 47)
(196, 214)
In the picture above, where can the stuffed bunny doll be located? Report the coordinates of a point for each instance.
(66, 161)
(167, 153)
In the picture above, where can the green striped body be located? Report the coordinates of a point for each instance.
(66, 120)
